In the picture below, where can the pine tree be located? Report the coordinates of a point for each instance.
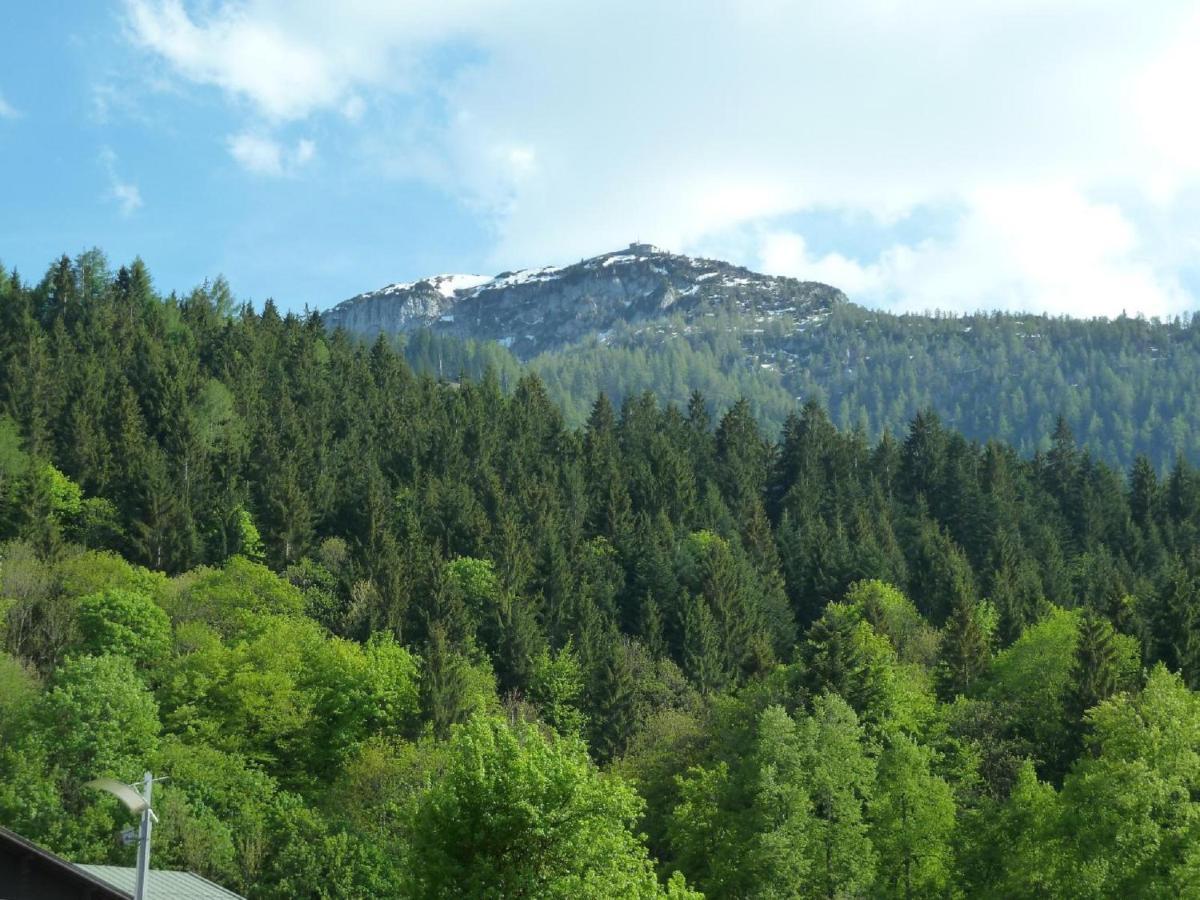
(940, 578)
(613, 702)
(743, 457)
(447, 687)
(610, 512)
(700, 654)
(1096, 672)
(923, 456)
(965, 653)
(1175, 619)
(1143, 493)
(521, 641)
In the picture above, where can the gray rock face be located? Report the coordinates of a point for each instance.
(535, 310)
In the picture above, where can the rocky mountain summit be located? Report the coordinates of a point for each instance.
(536, 310)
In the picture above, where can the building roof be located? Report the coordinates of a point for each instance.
(37, 864)
(175, 885)
(97, 882)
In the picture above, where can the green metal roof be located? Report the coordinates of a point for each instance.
(162, 885)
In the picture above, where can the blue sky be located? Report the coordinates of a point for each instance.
(1024, 155)
(98, 154)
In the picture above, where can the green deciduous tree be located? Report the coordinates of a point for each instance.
(519, 812)
(125, 623)
(912, 817)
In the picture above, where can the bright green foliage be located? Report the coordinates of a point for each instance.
(124, 623)
(476, 581)
(214, 813)
(1016, 850)
(842, 777)
(232, 597)
(380, 787)
(95, 719)
(705, 832)
(18, 691)
(1033, 680)
(782, 861)
(785, 815)
(92, 572)
(311, 699)
(912, 823)
(32, 802)
(99, 718)
(1131, 807)
(359, 691)
(213, 687)
(557, 688)
(894, 616)
(249, 540)
(317, 861)
(516, 811)
(66, 498)
(743, 826)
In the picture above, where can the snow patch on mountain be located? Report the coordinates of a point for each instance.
(524, 276)
(449, 285)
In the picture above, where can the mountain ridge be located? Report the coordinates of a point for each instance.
(532, 311)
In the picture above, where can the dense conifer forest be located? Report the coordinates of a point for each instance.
(391, 635)
(1126, 386)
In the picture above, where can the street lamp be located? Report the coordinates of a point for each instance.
(137, 803)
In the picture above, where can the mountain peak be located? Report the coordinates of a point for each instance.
(533, 310)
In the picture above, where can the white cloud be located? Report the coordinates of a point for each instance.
(289, 59)
(261, 155)
(7, 111)
(125, 194)
(575, 126)
(786, 253)
(1045, 249)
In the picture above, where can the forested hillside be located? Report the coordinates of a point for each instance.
(391, 636)
(1125, 387)
(625, 323)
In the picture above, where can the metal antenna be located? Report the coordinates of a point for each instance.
(135, 803)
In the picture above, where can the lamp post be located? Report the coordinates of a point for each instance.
(143, 859)
(135, 803)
